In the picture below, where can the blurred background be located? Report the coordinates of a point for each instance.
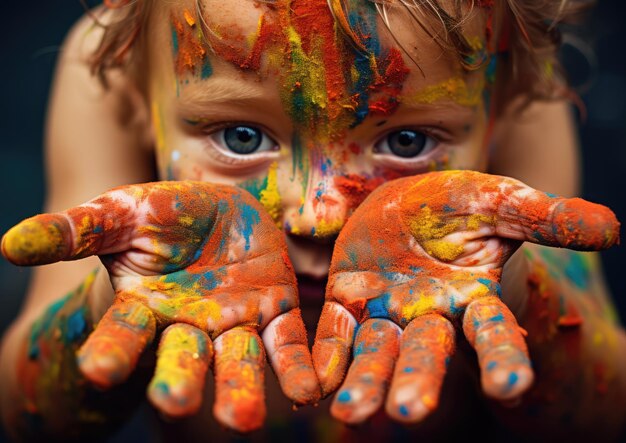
(32, 33)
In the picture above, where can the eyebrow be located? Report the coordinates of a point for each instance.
(195, 98)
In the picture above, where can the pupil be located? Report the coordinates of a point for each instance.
(406, 144)
(243, 139)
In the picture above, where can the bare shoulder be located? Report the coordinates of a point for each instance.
(97, 137)
(538, 146)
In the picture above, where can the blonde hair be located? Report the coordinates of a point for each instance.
(528, 37)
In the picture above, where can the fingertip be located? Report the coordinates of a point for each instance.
(302, 387)
(176, 401)
(245, 415)
(507, 383)
(412, 409)
(348, 406)
(36, 241)
(330, 363)
(583, 225)
(103, 366)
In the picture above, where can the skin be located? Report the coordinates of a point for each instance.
(430, 249)
(186, 151)
(180, 256)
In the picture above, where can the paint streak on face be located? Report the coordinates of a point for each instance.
(334, 70)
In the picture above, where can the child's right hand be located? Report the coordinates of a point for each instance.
(204, 265)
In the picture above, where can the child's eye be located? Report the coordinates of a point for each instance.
(244, 140)
(406, 143)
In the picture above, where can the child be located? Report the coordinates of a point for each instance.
(310, 106)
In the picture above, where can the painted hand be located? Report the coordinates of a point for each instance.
(201, 264)
(419, 256)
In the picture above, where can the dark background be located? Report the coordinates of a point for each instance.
(31, 35)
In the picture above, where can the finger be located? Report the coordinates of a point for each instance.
(492, 330)
(183, 359)
(331, 349)
(545, 219)
(287, 346)
(110, 353)
(375, 352)
(427, 345)
(239, 380)
(100, 226)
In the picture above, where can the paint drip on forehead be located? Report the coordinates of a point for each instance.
(329, 83)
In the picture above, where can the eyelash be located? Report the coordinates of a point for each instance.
(229, 158)
(439, 137)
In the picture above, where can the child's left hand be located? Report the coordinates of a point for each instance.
(424, 253)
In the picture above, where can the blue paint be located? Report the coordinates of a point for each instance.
(210, 281)
(174, 42)
(98, 229)
(344, 397)
(249, 217)
(358, 350)
(493, 286)
(447, 208)
(44, 325)
(454, 309)
(540, 238)
(207, 69)
(491, 365)
(408, 370)
(364, 23)
(447, 361)
(379, 307)
(513, 377)
(283, 305)
(76, 326)
(497, 318)
(551, 195)
(577, 271)
(404, 411)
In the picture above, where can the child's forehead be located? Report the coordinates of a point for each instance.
(341, 65)
(237, 23)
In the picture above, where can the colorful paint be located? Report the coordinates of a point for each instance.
(200, 247)
(183, 360)
(436, 244)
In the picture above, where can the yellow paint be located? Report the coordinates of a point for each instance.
(479, 292)
(333, 363)
(270, 197)
(422, 306)
(325, 229)
(443, 250)
(474, 221)
(174, 344)
(428, 226)
(158, 127)
(185, 220)
(189, 18)
(31, 239)
(454, 89)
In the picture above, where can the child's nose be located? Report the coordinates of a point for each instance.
(320, 211)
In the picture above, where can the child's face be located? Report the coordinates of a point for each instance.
(287, 107)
